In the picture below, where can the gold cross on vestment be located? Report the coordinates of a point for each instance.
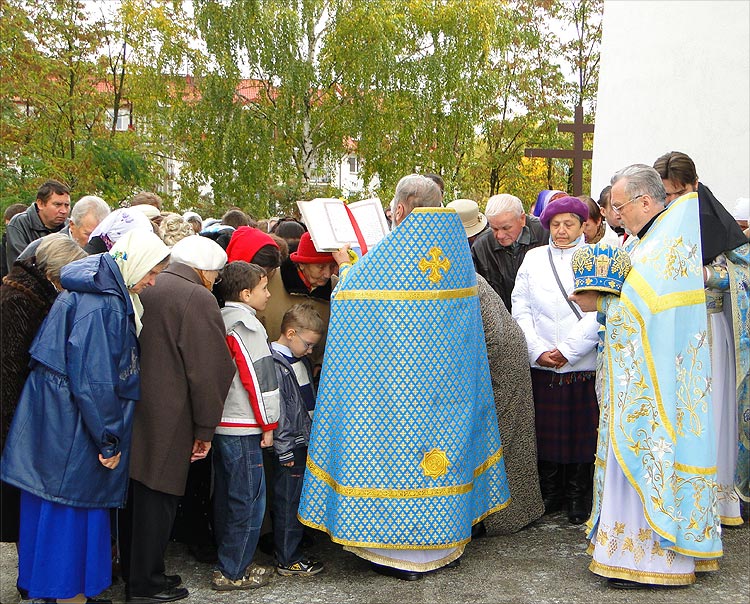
(434, 264)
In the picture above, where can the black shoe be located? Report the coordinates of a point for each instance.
(173, 581)
(552, 505)
(98, 601)
(625, 584)
(579, 481)
(551, 485)
(389, 571)
(171, 594)
(478, 530)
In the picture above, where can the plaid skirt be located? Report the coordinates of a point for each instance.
(567, 416)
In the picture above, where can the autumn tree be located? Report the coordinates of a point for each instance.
(57, 105)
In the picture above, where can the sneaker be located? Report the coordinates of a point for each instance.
(302, 567)
(259, 569)
(219, 582)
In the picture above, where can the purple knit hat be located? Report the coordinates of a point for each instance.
(564, 205)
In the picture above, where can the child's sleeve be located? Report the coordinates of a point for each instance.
(265, 405)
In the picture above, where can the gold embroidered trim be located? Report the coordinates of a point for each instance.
(681, 467)
(323, 528)
(405, 294)
(657, 304)
(434, 210)
(347, 491)
(424, 567)
(618, 572)
(649, 357)
(732, 520)
(706, 566)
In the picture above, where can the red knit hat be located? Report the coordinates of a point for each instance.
(246, 242)
(307, 254)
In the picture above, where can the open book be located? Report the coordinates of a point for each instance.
(330, 227)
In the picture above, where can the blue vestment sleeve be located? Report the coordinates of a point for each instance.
(92, 368)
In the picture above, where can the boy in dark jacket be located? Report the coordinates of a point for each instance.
(301, 329)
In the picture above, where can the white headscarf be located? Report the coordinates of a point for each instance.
(119, 222)
(199, 252)
(136, 253)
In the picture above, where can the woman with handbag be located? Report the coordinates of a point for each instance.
(562, 343)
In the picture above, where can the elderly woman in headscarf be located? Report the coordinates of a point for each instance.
(186, 374)
(26, 295)
(114, 226)
(543, 199)
(68, 445)
(561, 343)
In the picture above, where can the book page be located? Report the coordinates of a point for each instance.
(371, 220)
(338, 218)
(328, 223)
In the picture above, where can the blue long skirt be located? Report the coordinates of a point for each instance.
(63, 550)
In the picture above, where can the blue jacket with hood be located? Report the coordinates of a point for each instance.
(78, 400)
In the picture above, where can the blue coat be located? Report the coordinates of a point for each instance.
(78, 400)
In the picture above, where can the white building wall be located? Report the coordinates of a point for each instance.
(675, 76)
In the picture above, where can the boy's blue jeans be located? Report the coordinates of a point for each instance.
(287, 489)
(239, 500)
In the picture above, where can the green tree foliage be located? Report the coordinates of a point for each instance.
(253, 102)
(57, 119)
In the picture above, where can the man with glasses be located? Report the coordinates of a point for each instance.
(654, 519)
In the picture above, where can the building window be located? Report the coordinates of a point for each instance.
(123, 119)
(353, 164)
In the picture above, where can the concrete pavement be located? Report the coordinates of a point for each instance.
(543, 564)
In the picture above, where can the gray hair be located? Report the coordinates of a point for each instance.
(641, 179)
(502, 203)
(54, 252)
(89, 204)
(174, 227)
(416, 191)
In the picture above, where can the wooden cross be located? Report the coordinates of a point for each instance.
(578, 154)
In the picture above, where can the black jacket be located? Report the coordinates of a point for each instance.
(498, 264)
(23, 229)
(294, 420)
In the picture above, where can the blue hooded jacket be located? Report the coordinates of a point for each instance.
(78, 400)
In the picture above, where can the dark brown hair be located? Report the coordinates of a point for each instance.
(239, 275)
(677, 167)
(50, 187)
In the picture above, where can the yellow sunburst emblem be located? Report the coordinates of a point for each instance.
(435, 463)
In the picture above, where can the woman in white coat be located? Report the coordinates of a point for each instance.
(562, 342)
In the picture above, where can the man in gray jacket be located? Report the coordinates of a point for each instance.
(48, 214)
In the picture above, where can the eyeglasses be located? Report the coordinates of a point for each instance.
(619, 208)
(307, 344)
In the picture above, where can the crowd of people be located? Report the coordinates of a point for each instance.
(224, 383)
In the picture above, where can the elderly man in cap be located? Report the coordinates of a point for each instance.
(186, 372)
(498, 254)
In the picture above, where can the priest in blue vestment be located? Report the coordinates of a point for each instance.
(655, 519)
(405, 453)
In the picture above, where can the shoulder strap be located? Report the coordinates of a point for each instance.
(560, 285)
